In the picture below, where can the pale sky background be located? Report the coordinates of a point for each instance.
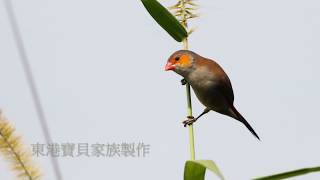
(99, 69)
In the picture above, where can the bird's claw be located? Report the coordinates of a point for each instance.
(189, 121)
(183, 82)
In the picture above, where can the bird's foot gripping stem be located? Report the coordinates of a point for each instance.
(183, 82)
(189, 121)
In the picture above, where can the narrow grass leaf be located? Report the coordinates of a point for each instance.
(290, 174)
(165, 19)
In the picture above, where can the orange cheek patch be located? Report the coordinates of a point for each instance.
(184, 60)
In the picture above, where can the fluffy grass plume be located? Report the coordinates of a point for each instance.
(12, 149)
(184, 10)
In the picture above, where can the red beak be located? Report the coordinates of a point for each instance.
(169, 66)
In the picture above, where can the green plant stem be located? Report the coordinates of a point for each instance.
(189, 111)
(191, 134)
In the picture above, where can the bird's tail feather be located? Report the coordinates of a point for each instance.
(235, 114)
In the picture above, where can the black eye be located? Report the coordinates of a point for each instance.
(177, 58)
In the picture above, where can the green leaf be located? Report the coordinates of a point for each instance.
(289, 174)
(195, 170)
(165, 19)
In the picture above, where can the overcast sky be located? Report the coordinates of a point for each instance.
(99, 70)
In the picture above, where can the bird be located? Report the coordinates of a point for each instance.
(209, 82)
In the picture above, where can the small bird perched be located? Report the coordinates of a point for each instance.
(210, 83)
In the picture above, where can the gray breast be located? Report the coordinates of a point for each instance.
(202, 84)
(206, 89)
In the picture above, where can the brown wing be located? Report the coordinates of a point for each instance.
(225, 86)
